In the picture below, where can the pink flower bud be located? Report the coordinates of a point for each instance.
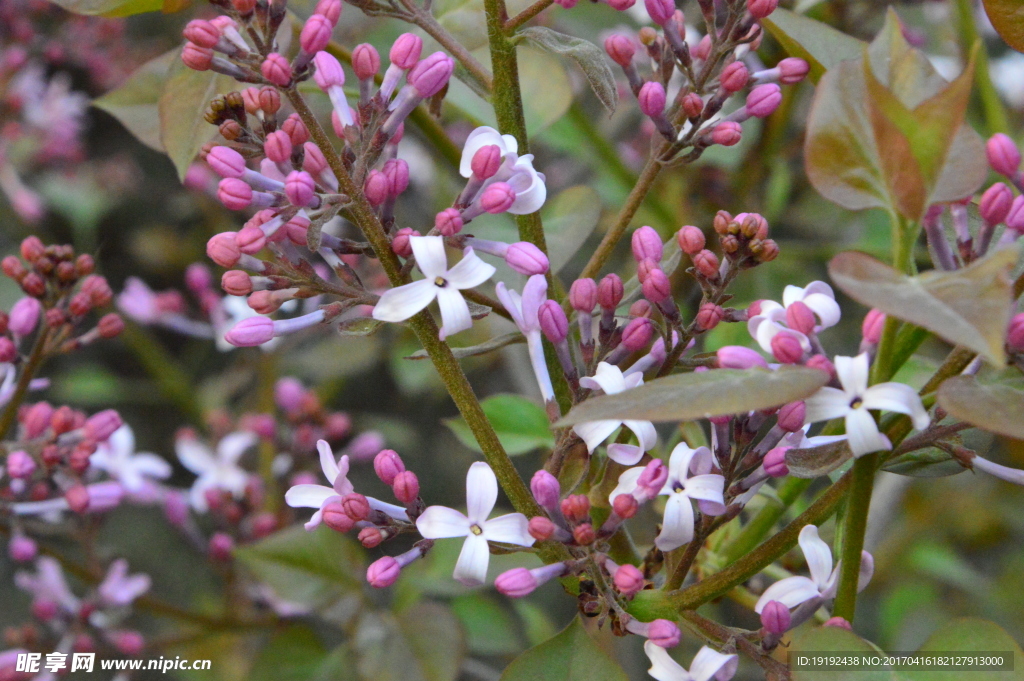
(545, 489)
(516, 583)
(1015, 335)
(653, 477)
(621, 5)
(839, 623)
(703, 49)
(637, 334)
(202, 33)
(657, 288)
(775, 462)
(299, 187)
(20, 465)
(995, 204)
(553, 322)
(405, 52)
(775, 618)
(620, 48)
(692, 105)
(366, 446)
(400, 244)
(734, 77)
(383, 572)
(234, 193)
(525, 258)
(37, 419)
(329, 72)
(102, 425)
(315, 34)
(822, 363)
(251, 332)
(541, 528)
(406, 487)
(448, 222)
(8, 350)
(197, 58)
(397, 172)
(365, 61)
(709, 316)
(664, 633)
(800, 318)
(376, 188)
(1015, 216)
(576, 508)
(791, 416)
(610, 292)
(625, 506)
(739, 357)
(251, 239)
(691, 240)
(1003, 155)
(370, 537)
(792, 70)
(296, 130)
(22, 549)
(77, 498)
(330, 9)
(787, 348)
(652, 99)
(871, 328)
(277, 70)
(628, 579)
(278, 148)
(497, 198)
(220, 547)
(387, 464)
(356, 506)
(24, 316)
(583, 295)
(431, 74)
(763, 100)
(486, 161)
(236, 283)
(759, 9)
(129, 643)
(726, 133)
(641, 308)
(647, 244)
(335, 517)
(660, 11)
(706, 263)
(223, 250)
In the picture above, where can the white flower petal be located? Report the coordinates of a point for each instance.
(194, 455)
(455, 316)
(899, 398)
(663, 667)
(817, 553)
(790, 295)
(430, 255)
(308, 496)
(400, 303)
(706, 487)
(677, 526)
(481, 492)
(825, 307)
(327, 463)
(679, 463)
(595, 432)
(645, 433)
(341, 483)
(479, 138)
(471, 569)
(607, 377)
(862, 433)
(627, 482)
(791, 592)
(151, 466)
(853, 374)
(827, 403)
(627, 455)
(233, 445)
(708, 663)
(509, 529)
(441, 522)
(470, 271)
(512, 302)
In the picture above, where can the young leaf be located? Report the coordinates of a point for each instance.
(570, 656)
(587, 56)
(836, 641)
(971, 635)
(820, 45)
(110, 8)
(422, 643)
(815, 462)
(930, 462)
(522, 426)
(993, 407)
(569, 218)
(1007, 17)
(495, 343)
(685, 397)
(968, 307)
(134, 104)
(359, 326)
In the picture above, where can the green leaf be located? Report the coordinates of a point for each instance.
(686, 397)
(360, 326)
(993, 407)
(423, 643)
(110, 8)
(970, 635)
(569, 219)
(183, 130)
(833, 640)
(521, 425)
(968, 307)
(820, 45)
(490, 627)
(134, 104)
(295, 654)
(930, 462)
(815, 462)
(587, 56)
(1007, 17)
(570, 656)
(496, 343)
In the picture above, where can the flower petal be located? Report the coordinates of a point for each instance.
(679, 462)
(595, 432)
(791, 592)
(535, 292)
(627, 455)
(826, 404)
(233, 445)
(327, 463)
(308, 496)
(706, 487)
(430, 255)
(677, 526)
(194, 455)
(853, 374)
(900, 398)
(825, 307)
(471, 569)
(817, 553)
(441, 522)
(151, 466)
(481, 492)
(400, 303)
(607, 377)
(862, 433)
(509, 529)
(663, 667)
(709, 663)
(470, 271)
(481, 137)
(627, 482)
(512, 302)
(455, 315)
(645, 433)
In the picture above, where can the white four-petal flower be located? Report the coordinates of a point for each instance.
(817, 295)
(440, 522)
(117, 457)
(855, 400)
(485, 136)
(402, 302)
(220, 471)
(517, 171)
(707, 664)
(610, 379)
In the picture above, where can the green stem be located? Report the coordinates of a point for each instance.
(991, 104)
(530, 12)
(857, 505)
(762, 523)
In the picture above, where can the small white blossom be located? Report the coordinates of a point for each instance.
(817, 295)
(220, 471)
(610, 379)
(116, 456)
(517, 171)
(707, 664)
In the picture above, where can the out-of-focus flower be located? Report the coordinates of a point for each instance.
(218, 471)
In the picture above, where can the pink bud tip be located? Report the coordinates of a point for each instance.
(787, 348)
(383, 572)
(202, 33)
(299, 187)
(22, 549)
(313, 161)
(1015, 216)
(223, 250)
(583, 295)
(775, 618)
(647, 245)
(486, 161)
(24, 316)
(8, 350)
(610, 292)
(406, 487)
(376, 188)
(709, 316)
(497, 198)
(576, 508)
(653, 477)
(759, 9)
(703, 49)
(822, 363)
(657, 288)
(431, 74)
(1015, 335)
(129, 643)
(328, 72)
(727, 133)
(1003, 155)
(251, 332)
(792, 70)
(839, 623)
(625, 506)
(541, 528)
(356, 506)
(553, 322)
(20, 465)
(397, 172)
(995, 204)
(387, 465)
(637, 334)
(791, 416)
(620, 48)
(278, 148)
(739, 357)
(734, 77)
(692, 105)
(234, 193)
(405, 52)
(448, 222)
(628, 579)
(545, 489)
(660, 11)
(220, 547)
(295, 129)
(764, 100)
(365, 61)
(277, 70)
(691, 240)
(621, 5)
(335, 517)
(516, 583)
(652, 99)
(800, 318)
(316, 34)
(330, 9)
(664, 633)
(400, 244)
(251, 239)
(525, 258)
(77, 498)
(197, 58)
(775, 462)
(871, 328)
(102, 425)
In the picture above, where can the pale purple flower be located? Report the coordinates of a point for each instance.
(707, 664)
(118, 588)
(523, 310)
(218, 471)
(440, 522)
(855, 400)
(402, 302)
(817, 295)
(117, 457)
(516, 171)
(610, 379)
(48, 584)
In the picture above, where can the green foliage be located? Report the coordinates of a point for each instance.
(814, 462)
(587, 56)
(114, 8)
(521, 425)
(135, 102)
(570, 656)
(970, 635)
(1007, 17)
(490, 627)
(835, 641)
(820, 45)
(993, 407)
(422, 643)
